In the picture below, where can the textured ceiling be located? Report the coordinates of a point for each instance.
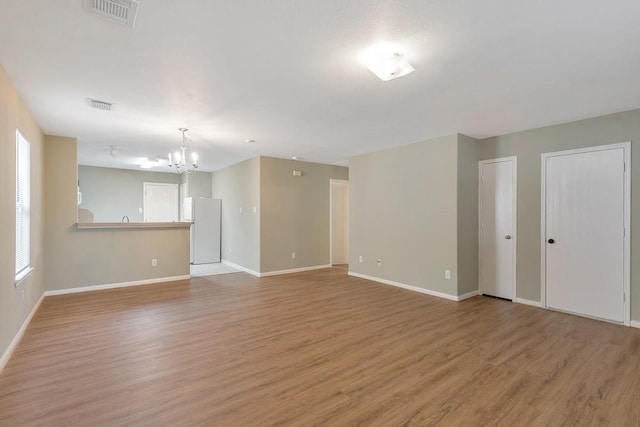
(288, 73)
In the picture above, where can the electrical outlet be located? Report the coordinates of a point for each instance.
(255, 209)
(293, 255)
(360, 259)
(154, 262)
(22, 295)
(139, 210)
(447, 274)
(240, 209)
(379, 262)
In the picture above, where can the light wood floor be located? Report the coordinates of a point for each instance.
(317, 348)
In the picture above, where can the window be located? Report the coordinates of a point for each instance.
(23, 207)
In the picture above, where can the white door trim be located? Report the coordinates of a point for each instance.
(333, 182)
(626, 146)
(514, 219)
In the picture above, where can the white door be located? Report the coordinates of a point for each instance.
(497, 227)
(160, 202)
(339, 226)
(584, 232)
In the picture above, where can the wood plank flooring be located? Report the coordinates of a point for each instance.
(314, 348)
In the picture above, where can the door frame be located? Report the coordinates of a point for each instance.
(162, 184)
(626, 147)
(514, 219)
(182, 194)
(333, 182)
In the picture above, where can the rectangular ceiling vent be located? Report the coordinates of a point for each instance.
(121, 12)
(100, 105)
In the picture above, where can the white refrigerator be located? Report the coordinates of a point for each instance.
(205, 230)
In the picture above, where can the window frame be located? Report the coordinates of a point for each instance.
(23, 209)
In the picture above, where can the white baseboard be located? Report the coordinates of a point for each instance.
(415, 288)
(16, 339)
(635, 324)
(272, 273)
(293, 270)
(529, 302)
(468, 295)
(115, 285)
(240, 267)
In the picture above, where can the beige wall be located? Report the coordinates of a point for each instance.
(198, 184)
(294, 213)
(239, 188)
(468, 151)
(267, 213)
(404, 211)
(528, 147)
(76, 258)
(15, 115)
(339, 222)
(110, 193)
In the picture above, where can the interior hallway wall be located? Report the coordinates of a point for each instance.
(295, 213)
(77, 258)
(467, 211)
(14, 114)
(528, 146)
(239, 188)
(404, 212)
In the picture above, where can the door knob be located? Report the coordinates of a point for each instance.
(551, 241)
(508, 237)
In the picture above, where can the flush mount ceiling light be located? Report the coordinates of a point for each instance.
(178, 160)
(387, 63)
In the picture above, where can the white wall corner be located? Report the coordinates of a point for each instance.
(531, 303)
(468, 295)
(240, 267)
(413, 288)
(293, 270)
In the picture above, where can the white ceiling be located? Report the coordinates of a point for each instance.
(288, 73)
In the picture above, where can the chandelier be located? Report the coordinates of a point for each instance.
(179, 159)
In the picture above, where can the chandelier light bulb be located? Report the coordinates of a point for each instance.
(179, 158)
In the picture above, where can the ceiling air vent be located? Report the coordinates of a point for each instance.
(121, 12)
(100, 105)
